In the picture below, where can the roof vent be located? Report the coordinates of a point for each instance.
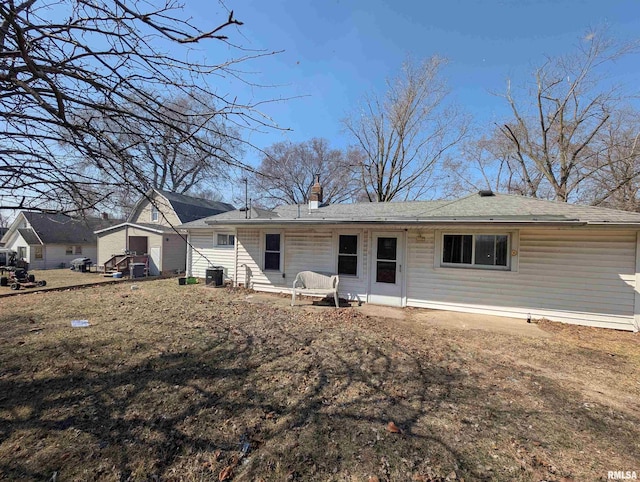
(486, 193)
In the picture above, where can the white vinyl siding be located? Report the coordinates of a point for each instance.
(308, 251)
(582, 276)
(207, 254)
(303, 250)
(174, 252)
(54, 255)
(167, 217)
(109, 244)
(577, 275)
(249, 258)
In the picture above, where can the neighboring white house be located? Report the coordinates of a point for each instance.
(150, 231)
(485, 253)
(49, 241)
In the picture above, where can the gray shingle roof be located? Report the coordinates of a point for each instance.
(189, 208)
(62, 229)
(474, 208)
(236, 214)
(29, 236)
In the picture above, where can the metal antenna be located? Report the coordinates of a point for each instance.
(246, 195)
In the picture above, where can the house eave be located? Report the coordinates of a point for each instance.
(133, 225)
(394, 222)
(616, 224)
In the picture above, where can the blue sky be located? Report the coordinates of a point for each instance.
(335, 51)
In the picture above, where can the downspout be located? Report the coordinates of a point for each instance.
(189, 254)
(235, 258)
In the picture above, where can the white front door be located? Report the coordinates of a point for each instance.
(386, 269)
(154, 261)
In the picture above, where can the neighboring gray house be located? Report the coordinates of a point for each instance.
(485, 253)
(49, 241)
(149, 231)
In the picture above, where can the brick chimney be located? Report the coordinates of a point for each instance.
(315, 198)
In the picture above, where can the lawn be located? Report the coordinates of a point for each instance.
(59, 278)
(187, 383)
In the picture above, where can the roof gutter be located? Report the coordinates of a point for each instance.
(422, 222)
(614, 223)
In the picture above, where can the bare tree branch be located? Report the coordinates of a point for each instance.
(287, 171)
(70, 89)
(571, 109)
(406, 135)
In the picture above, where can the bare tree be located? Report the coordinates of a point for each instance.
(4, 220)
(287, 172)
(487, 161)
(406, 134)
(615, 165)
(178, 157)
(552, 133)
(72, 67)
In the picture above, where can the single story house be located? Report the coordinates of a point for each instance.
(485, 253)
(150, 231)
(53, 240)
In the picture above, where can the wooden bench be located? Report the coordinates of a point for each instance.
(310, 283)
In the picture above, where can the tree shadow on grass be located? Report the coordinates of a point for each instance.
(271, 396)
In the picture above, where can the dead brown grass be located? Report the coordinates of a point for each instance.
(189, 383)
(59, 278)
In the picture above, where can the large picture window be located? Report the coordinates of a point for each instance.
(476, 250)
(272, 252)
(348, 254)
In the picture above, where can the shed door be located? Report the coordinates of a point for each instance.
(154, 261)
(138, 244)
(386, 269)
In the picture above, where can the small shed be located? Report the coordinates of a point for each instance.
(150, 232)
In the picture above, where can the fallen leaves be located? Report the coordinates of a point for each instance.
(393, 428)
(225, 474)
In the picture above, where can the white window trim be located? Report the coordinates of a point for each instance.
(155, 213)
(224, 246)
(360, 254)
(263, 246)
(512, 250)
